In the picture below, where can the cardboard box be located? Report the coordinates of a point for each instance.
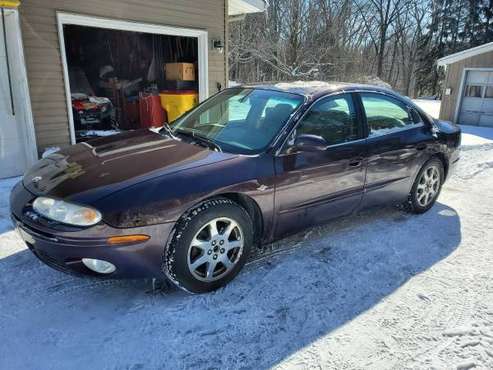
(180, 71)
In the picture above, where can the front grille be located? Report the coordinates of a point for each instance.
(48, 260)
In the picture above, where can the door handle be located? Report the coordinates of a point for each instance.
(421, 146)
(355, 163)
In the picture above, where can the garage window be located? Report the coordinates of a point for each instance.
(474, 91)
(489, 92)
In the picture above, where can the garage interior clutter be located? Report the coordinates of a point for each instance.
(122, 80)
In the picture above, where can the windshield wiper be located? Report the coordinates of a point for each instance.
(169, 131)
(202, 139)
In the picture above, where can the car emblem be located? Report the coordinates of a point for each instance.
(36, 179)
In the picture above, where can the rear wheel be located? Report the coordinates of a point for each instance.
(210, 245)
(426, 187)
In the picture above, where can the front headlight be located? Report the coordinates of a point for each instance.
(66, 213)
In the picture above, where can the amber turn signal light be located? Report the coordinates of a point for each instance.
(128, 239)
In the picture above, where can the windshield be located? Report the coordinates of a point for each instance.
(239, 120)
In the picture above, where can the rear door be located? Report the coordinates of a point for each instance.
(315, 186)
(397, 143)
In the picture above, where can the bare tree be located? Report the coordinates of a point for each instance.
(396, 41)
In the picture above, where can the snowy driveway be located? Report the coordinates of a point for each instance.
(380, 290)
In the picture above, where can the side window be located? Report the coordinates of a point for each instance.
(474, 91)
(489, 92)
(416, 116)
(385, 114)
(334, 119)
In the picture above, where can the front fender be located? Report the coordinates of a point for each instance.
(165, 199)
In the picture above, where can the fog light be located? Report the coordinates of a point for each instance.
(99, 266)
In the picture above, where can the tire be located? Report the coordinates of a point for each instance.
(426, 187)
(198, 259)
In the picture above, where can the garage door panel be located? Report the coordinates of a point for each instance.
(12, 141)
(486, 120)
(472, 104)
(488, 105)
(477, 77)
(477, 99)
(490, 78)
(469, 118)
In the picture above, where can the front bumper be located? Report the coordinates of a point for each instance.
(64, 250)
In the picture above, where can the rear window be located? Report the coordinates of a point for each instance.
(385, 114)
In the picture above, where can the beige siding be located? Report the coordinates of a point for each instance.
(42, 51)
(453, 81)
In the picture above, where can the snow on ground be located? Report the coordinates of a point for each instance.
(380, 290)
(432, 107)
(50, 150)
(474, 135)
(471, 135)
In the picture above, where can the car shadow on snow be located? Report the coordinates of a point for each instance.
(483, 132)
(325, 278)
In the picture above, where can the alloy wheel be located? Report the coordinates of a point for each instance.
(428, 186)
(215, 249)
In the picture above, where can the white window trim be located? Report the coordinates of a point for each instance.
(114, 24)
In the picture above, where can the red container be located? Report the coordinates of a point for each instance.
(151, 112)
(130, 114)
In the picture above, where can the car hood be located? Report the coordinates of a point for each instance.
(88, 171)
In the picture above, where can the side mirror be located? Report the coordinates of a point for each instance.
(310, 143)
(434, 130)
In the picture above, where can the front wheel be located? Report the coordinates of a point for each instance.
(210, 245)
(426, 187)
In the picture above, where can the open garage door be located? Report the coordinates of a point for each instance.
(477, 98)
(124, 75)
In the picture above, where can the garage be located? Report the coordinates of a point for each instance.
(74, 70)
(477, 100)
(468, 87)
(125, 76)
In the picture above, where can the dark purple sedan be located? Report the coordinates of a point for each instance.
(250, 165)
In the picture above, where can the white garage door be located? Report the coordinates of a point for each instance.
(17, 146)
(477, 99)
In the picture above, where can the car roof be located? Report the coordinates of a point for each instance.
(315, 89)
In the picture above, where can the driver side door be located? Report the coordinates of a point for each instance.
(317, 184)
